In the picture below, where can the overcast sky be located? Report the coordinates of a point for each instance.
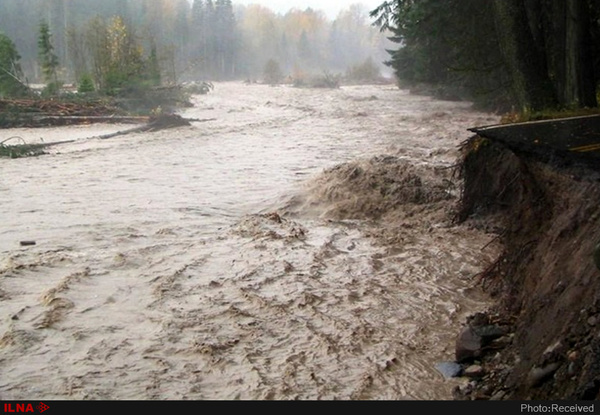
(330, 7)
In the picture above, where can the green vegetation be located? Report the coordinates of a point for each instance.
(522, 54)
(11, 84)
(168, 42)
(139, 53)
(86, 84)
(117, 70)
(119, 67)
(48, 61)
(20, 150)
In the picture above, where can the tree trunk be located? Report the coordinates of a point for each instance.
(554, 33)
(528, 71)
(579, 83)
(535, 16)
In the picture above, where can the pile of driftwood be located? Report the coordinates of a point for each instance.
(59, 107)
(153, 123)
(49, 113)
(156, 123)
(37, 112)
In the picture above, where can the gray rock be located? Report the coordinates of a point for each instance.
(489, 333)
(468, 345)
(449, 369)
(474, 371)
(539, 375)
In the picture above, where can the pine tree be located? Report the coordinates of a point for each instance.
(225, 38)
(48, 61)
(86, 84)
(10, 69)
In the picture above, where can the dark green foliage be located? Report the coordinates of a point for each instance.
(52, 89)
(450, 43)
(10, 70)
(86, 84)
(119, 66)
(48, 60)
(532, 54)
(184, 40)
(531, 87)
(23, 149)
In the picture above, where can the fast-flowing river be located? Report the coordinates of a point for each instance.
(299, 245)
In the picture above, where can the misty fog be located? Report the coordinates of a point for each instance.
(200, 40)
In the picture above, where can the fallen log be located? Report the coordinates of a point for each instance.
(124, 132)
(200, 119)
(160, 122)
(155, 123)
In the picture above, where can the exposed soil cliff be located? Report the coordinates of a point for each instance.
(546, 211)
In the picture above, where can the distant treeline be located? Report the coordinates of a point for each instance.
(187, 40)
(527, 54)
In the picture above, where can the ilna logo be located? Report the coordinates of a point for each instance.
(24, 407)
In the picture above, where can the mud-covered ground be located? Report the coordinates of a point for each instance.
(545, 208)
(300, 246)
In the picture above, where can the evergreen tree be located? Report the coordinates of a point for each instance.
(225, 39)
(531, 85)
(10, 69)
(48, 60)
(86, 84)
(199, 39)
(532, 54)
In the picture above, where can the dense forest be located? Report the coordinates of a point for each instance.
(180, 40)
(527, 54)
(524, 55)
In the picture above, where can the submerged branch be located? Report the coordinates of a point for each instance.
(155, 123)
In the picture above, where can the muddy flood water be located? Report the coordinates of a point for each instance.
(298, 246)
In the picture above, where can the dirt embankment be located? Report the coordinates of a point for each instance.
(547, 214)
